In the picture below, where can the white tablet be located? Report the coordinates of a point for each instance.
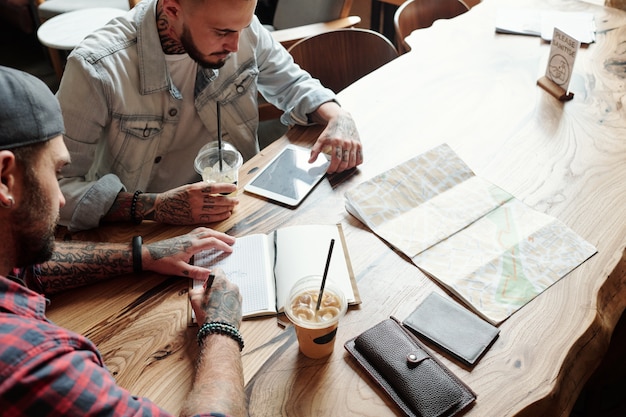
(289, 177)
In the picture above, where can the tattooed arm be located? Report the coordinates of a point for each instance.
(218, 383)
(340, 139)
(74, 264)
(198, 203)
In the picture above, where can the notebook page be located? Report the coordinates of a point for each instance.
(250, 267)
(302, 251)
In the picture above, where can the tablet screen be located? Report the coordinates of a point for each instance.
(289, 177)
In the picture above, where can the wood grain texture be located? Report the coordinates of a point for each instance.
(476, 90)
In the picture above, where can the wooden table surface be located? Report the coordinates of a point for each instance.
(476, 90)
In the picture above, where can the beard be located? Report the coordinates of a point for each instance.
(194, 53)
(34, 225)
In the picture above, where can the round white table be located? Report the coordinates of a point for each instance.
(65, 31)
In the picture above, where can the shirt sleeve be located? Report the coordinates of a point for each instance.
(283, 83)
(55, 381)
(86, 115)
(62, 378)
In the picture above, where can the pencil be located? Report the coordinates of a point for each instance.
(209, 281)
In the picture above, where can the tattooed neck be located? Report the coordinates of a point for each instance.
(169, 44)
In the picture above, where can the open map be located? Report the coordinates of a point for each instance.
(480, 242)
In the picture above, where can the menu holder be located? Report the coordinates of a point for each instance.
(557, 91)
(560, 66)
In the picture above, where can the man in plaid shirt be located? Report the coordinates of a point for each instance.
(46, 370)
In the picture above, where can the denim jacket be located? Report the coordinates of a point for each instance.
(120, 110)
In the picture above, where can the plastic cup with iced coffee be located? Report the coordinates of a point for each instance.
(315, 329)
(208, 164)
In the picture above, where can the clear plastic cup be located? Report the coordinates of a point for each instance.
(207, 164)
(214, 144)
(315, 330)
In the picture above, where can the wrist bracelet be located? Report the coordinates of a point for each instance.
(133, 209)
(137, 262)
(216, 327)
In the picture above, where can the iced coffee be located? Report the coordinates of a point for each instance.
(218, 167)
(315, 328)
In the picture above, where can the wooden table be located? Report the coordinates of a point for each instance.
(65, 31)
(476, 90)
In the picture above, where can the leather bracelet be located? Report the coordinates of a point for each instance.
(137, 261)
(216, 327)
(133, 209)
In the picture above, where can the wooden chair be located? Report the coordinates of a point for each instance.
(337, 58)
(419, 14)
(299, 19)
(471, 3)
(340, 57)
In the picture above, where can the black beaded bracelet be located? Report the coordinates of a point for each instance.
(216, 327)
(137, 261)
(133, 209)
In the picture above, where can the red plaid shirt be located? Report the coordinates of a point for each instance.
(46, 370)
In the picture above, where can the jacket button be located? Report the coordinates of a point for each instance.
(173, 112)
(157, 159)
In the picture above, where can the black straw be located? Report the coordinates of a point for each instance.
(330, 252)
(219, 134)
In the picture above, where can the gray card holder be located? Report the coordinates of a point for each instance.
(452, 328)
(417, 382)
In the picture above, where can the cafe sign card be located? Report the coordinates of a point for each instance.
(563, 52)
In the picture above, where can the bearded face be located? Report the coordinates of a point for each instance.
(192, 49)
(34, 223)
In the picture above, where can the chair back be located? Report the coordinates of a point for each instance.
(419, 14)
(292, 13)
(340, 57)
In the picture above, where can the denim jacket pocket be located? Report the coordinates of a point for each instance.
(240, 93)
(238, 84)
(135, 147)
(142, 128)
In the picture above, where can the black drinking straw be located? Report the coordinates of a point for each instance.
(330, 252)
(219, 134)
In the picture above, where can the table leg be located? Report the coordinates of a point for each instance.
(388, 28)
(375, 16)
(57, 62)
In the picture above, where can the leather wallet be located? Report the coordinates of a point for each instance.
(452, 327)
(417, 382)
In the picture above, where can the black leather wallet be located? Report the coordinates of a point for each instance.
(401, 365)
(452, 327)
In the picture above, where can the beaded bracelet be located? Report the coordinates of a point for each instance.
(216, 327)
(137, 261)
(133, 209)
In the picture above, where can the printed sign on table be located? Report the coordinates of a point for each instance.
(561, 61)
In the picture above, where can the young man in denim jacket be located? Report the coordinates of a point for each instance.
(139, 99)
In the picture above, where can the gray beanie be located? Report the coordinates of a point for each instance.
(29, 112)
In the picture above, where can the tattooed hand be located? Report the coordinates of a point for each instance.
(221, 302)
(340, 139)
(171, 256)
(198, 203)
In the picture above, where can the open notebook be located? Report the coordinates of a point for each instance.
(266, 266)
